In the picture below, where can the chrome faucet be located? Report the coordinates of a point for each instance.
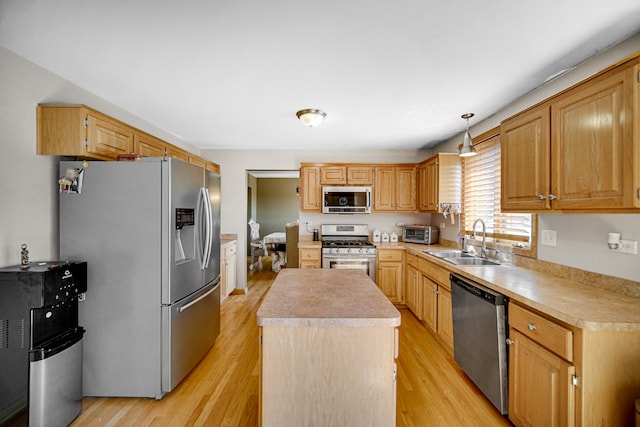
(483, 249)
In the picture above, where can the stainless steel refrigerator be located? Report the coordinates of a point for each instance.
(150, 233)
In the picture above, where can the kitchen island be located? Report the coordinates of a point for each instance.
(329, 342)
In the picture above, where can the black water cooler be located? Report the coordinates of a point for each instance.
(41, 343)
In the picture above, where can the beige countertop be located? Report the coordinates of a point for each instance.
(578, 304)
(228, 239)
(326, 297)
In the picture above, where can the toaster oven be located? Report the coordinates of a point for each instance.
(424, 234)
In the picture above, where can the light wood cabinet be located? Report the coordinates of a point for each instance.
(81, 131)
(389, 275)
(540, 380)
(149, 146)
(439, 182)
(436, 301)
(394, 188)
(228, 270)
(412, 288)
(310, 189)
(346, 175)
(333, 175)
(78, 130)
(578, 150)
(310, 257)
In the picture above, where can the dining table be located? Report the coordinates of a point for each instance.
(274, 243)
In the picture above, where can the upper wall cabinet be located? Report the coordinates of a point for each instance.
(310, 189)
(439, 182)
(77, 130)
(346, 175)
(578, 151)
(394, 188)
(81, 131)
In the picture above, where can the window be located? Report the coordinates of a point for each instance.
(481, 197)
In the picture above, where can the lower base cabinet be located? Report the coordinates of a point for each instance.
(436, 301)
(228, 269)
(328, 376)
(310, 258)
(562, 375)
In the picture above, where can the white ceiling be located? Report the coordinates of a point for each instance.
(231, 74)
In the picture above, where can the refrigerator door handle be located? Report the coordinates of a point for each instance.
(200, 233)
(197, 300)
(209, 227)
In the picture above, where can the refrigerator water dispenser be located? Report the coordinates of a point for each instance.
(185, 237)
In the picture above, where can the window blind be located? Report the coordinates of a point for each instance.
(481, 196)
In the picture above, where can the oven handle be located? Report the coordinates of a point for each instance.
(351, 260)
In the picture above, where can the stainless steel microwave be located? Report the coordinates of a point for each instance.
(346, 200)
(425, 234)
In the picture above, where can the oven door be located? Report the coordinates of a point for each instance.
(366, 264)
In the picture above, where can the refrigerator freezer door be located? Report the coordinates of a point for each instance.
(190, 327)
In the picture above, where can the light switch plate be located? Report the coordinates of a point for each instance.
(548, 237)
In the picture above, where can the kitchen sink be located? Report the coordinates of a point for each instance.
(461, 258)
(449, 254)
(471, 261)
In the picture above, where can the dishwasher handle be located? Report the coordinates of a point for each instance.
(478, 290)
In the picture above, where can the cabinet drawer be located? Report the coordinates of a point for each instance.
(436, 273)
(309, 254)
(229, 251)
(554, 337)
(390, 255)
(412, 260)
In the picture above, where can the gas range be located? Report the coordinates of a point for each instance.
(346, 239)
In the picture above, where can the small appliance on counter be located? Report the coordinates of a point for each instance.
(41, 347)
(423, 234)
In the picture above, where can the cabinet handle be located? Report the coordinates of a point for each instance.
(552, 197)
(541, 196)
(531, 327)
(510, 341)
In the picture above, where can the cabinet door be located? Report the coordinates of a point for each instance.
(359, 175)
(333, 175)
(310, 188)
(540, 390)
(389, 279)
(430, 191)
(593, 141)
(309, 258)
(429, 303)
(412, 296)
(405, 181)
(148, 146)
(107, 137)
(445, 317)
(384, 189)
(525, 161)
(177, 153)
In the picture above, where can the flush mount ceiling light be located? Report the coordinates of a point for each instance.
(311, 117)
(466, 148)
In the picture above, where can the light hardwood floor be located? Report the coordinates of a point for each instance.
(223, 389)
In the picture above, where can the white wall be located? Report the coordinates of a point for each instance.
(28, 202)
(581, 238)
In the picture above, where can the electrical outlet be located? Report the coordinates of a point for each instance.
(627, 247)
(548, 237)
(443, 225)
(307, 223)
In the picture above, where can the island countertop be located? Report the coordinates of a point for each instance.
(326, 297)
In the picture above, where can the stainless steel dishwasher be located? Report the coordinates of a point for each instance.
(479, 337)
